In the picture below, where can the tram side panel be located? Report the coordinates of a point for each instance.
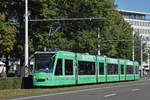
(129, 70)
(101, 68)
(122, 69)
(65, 69)
(86, 65)
(112, 70)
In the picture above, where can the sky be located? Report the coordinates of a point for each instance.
(134, 5)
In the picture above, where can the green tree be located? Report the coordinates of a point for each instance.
(80, 36)
(7, 36)
(71, 30)
(77, 36)
(137, 47)
(116, 28)
(7, 32)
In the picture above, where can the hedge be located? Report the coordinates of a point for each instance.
(10, 83)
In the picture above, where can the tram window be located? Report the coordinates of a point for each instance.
(58, 70)
(112, 69)
(68, 67)
(101, 68)
(136, 69)
(86, 68)
(129, 69)
(122, 69)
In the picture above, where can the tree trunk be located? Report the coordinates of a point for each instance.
(7, 63)
(22, 66)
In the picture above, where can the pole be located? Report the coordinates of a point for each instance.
(26, 39)
(141, 59)
(148, 64)
(99, 41)
(133, 51)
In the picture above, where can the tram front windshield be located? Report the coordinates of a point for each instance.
(44, 63)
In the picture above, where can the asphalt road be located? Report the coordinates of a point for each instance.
(137, 91)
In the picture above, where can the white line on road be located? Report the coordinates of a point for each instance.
(76, 91)
(135, 90)
(109, 95)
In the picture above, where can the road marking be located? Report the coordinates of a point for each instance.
(110, 95)
(135, 90)
(76, 91)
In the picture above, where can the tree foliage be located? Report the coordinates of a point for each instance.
(137, 48)
(115, 28)
(7, 32)
(70, 35)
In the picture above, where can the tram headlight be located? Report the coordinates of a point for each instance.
(35, 78)
(48, 77)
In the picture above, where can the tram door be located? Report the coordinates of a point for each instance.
(65, 71)
(69, 71)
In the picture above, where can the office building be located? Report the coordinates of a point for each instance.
(140, 24)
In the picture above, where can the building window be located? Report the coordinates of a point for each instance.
(58, 70)
(101, 68)
(112, 69)
(147, 31)
(134, 23)
(86, 68)
(144, 31)
(140, 23)
(137, 23)
(148, 24)
(68, 67)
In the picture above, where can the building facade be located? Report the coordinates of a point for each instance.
(140, 24)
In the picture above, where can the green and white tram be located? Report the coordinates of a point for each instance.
(68, 68)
